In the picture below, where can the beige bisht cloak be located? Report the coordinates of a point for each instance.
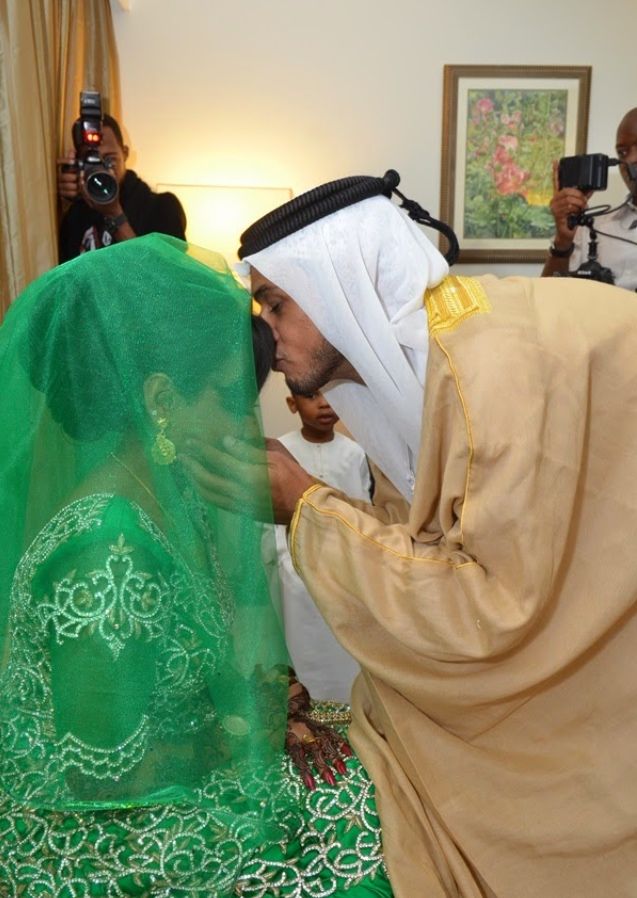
(495, 619)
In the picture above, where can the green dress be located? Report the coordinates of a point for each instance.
(100, 596)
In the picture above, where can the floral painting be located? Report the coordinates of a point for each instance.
(513, 136)
(503, 128)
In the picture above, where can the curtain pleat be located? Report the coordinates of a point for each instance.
(88, 59)
(49, 51)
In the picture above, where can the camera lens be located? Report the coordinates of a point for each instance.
(101, 186)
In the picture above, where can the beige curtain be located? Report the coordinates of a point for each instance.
(49, 50)
(87, 59)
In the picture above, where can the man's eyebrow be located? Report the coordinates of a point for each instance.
(261, 291)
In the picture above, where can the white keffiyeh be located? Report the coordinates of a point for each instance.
(360, 275)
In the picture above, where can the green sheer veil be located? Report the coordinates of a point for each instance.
(142, 653)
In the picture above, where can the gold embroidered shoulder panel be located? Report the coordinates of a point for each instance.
(453, 301)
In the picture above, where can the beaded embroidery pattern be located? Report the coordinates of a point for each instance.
(116, 602)
(329, 841)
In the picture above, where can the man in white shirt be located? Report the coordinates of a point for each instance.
(617, 232)
(320, 662)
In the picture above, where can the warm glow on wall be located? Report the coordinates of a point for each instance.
(217, 215)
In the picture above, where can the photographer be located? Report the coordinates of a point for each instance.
(136, 210)
(617, 232)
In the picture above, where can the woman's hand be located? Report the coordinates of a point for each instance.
(312, 744)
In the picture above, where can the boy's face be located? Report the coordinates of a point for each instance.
(315, 412)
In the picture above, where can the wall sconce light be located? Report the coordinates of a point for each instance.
(217, 214)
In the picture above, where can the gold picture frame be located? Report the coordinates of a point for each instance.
(502, 126)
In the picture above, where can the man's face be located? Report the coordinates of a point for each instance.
(626, 147)
(113, 153)
(303, 354)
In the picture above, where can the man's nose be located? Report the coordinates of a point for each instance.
(265, 314)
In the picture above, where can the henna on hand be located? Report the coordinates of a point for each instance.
(308, 742)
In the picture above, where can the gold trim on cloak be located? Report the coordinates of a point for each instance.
(454, 300)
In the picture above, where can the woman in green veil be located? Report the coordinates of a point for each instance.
(143, 675)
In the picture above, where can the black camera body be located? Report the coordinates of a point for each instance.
(99, 181)
(590, 271)
(587, 172)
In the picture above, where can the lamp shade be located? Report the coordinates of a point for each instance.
(218, 214)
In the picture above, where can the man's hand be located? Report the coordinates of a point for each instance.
(236, 477)
(112, 209)
(68, 181)
(71, 185)
(566, 201)
(288, 481)
(233, 476)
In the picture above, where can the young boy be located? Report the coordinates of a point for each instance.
(320, 662)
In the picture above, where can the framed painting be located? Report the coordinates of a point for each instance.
(502, 128)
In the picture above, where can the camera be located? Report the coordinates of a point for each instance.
(590, 271)
(99, 181)
(587, 172)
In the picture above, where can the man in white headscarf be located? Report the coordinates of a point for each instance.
(489, 592)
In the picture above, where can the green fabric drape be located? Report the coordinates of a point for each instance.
(143, 671)
(160, 632)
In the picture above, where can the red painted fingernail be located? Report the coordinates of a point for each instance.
(340, 766)
(308, 779)
(328, 776)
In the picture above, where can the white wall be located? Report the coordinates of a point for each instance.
(291, 93)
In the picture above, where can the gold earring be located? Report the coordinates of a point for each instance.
(163, 450)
